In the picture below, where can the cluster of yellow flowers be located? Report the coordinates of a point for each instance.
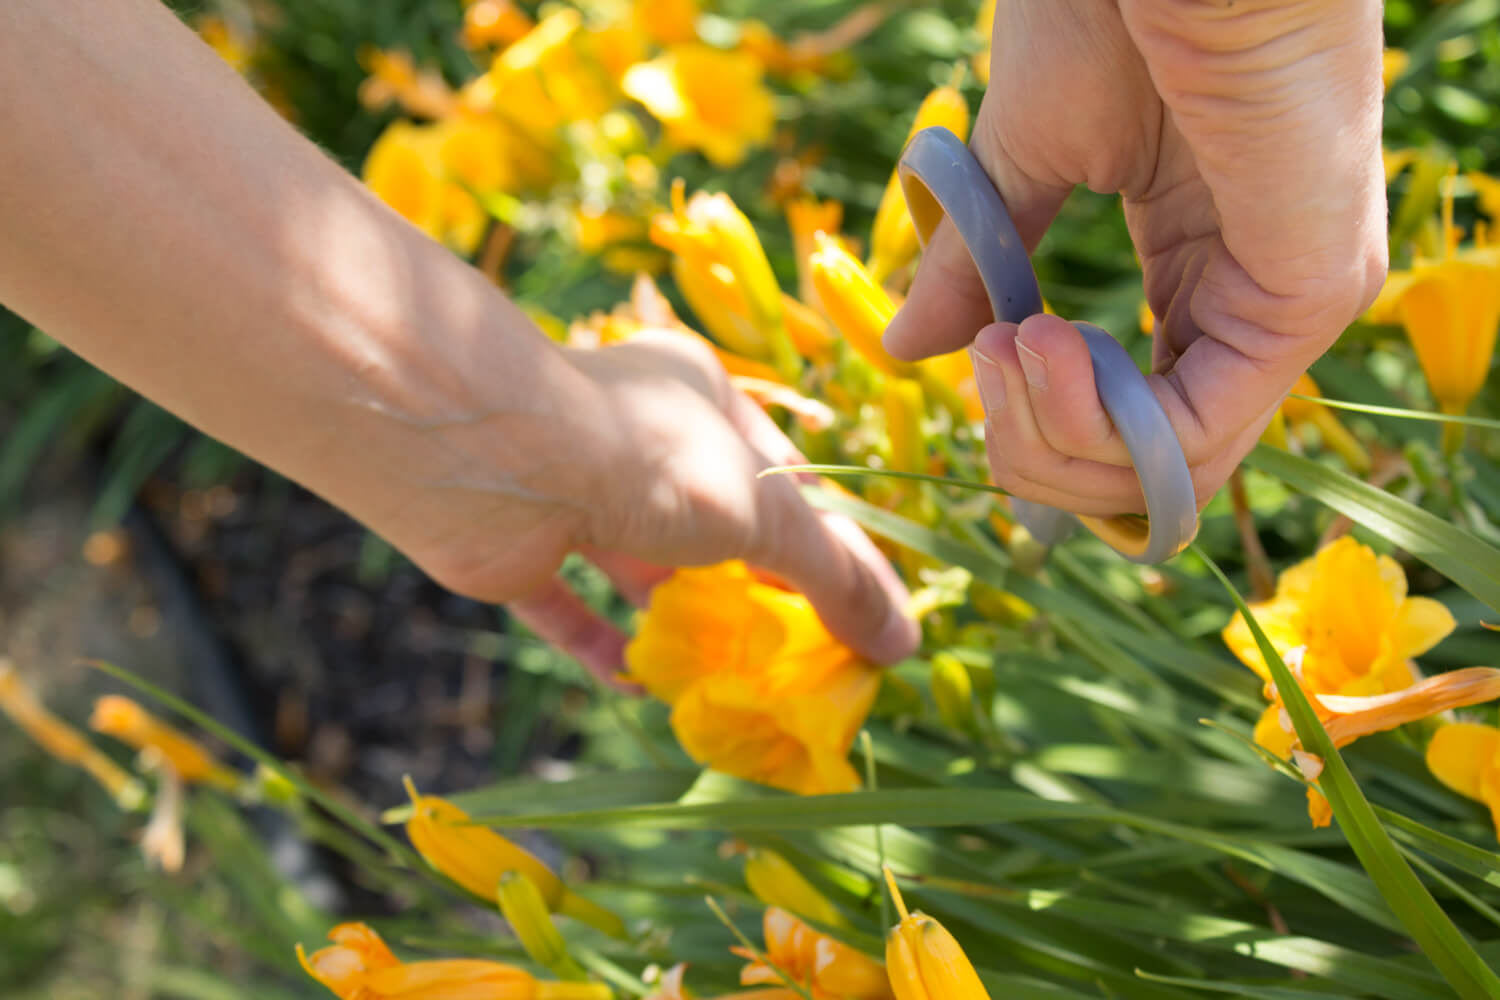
(567, 92)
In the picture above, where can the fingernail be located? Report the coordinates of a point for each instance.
(897, 639)
(1033, 364)
(989, 379)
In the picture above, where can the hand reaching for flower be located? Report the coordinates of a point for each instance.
(279, 306)
(675, 483)
(1245, 139)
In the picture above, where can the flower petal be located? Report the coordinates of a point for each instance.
(1356, 717)
(1421, 623)
(1460, 753)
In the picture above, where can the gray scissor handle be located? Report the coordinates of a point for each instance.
(940, 176)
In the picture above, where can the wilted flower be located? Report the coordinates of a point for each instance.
(477, 857)
(707, 99)
(125, 720)
(759, 687)
(62, 740)
(828, 969)
(924, 960)
(1344, 623)
(359, 966)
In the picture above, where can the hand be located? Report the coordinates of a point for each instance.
(1244, 136)
(669, 452)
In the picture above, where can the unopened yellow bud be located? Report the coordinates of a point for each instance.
(775, 882)
(953, 691)
(904, 407)
(526, 912)
(859, 307)
(924, 960)
(893, 240)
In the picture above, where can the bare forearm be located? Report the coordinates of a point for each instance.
(163, 223)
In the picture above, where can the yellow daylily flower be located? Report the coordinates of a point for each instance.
(1353, 717)
(1393, 64)
(666, 22)
(1450, 308)
(925, 961)
(775, 882)
(545, 79)
(359, 966)
(758, 686)
(63, 741)
(707, 99)
(723, 272)
(826, 968)
(405, 168)
(477, 857)
(809, 331)
(893, 238)
(494, 22)
(125, 720)
(1465, 756)
(1345, 624)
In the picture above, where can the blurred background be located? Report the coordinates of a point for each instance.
(128, 537)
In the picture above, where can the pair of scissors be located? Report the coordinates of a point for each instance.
(940, 176)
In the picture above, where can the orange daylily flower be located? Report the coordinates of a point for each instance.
(125, 720)
(758, 686)
(828, 969)
(359, 966)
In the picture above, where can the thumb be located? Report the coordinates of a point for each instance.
(947, 304)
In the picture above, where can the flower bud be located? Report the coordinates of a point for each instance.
(526, 912)
(856, 303)
(775, 882)
(893, 240)
(953, 691)
(924, 960)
